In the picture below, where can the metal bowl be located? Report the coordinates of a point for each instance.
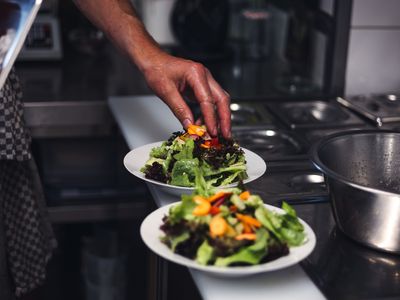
(362, 170)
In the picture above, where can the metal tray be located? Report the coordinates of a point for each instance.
(380, 109)
(271, 143)
(313, 114)
(243, 114)
(302, 185)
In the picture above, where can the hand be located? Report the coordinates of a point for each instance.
(171, 78)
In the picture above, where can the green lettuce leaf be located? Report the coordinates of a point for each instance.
(176, 240)
(159, 152)
(183, 210)
(186, 152)
(204, 253)
(286, 227)
(183, 172)
(293, 237)
(252, 254)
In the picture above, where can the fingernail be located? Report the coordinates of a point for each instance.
(186, 123)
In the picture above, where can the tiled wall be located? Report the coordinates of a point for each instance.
(374, 49)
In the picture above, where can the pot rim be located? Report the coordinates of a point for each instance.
(314, 156)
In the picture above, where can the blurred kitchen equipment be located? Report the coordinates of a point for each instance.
(44, 38)
(201, 25)
(15, 21)
(297, 53)
(255, 21)
(362, 170)
(43, 41)
(88, 41)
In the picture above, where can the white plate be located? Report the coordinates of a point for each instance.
(151, 233)
(136, 159)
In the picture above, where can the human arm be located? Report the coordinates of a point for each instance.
(168, 76)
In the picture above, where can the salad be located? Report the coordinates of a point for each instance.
(177, 161)
(230, 227)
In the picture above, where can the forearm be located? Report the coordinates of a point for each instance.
(119, 21)
(169, 77)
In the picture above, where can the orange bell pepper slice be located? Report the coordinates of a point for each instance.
(246, 236)
(196, 129)
(203, 206)
(244, 195)
(249, 220)
(246, 228)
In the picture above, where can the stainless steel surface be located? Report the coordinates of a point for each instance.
(381, 109)
(360, 272)
(363, 176)
(313, 114)
(296, 186)
(16, 18)
(68, 119)
(270, 143)
(247, 114)
(313, 135)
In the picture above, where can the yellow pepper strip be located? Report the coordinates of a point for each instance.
(218, 226)
(203, 206)
(230, 231)
(196, 129)
(246, 236)
(249, 220)
(244, 195)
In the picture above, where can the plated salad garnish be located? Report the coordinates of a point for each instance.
(230, 227)
(177, 161)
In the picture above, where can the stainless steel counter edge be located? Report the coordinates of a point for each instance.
(72, 118)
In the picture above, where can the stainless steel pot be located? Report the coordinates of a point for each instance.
(362, 170)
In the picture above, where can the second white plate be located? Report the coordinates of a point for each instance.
(151, 233)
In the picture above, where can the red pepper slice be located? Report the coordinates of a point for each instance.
(214, 210)
(214, 142)
(220, 201)
(233, 208)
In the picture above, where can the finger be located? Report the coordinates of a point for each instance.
(222, 101)
(199, 84)
(178, 106)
